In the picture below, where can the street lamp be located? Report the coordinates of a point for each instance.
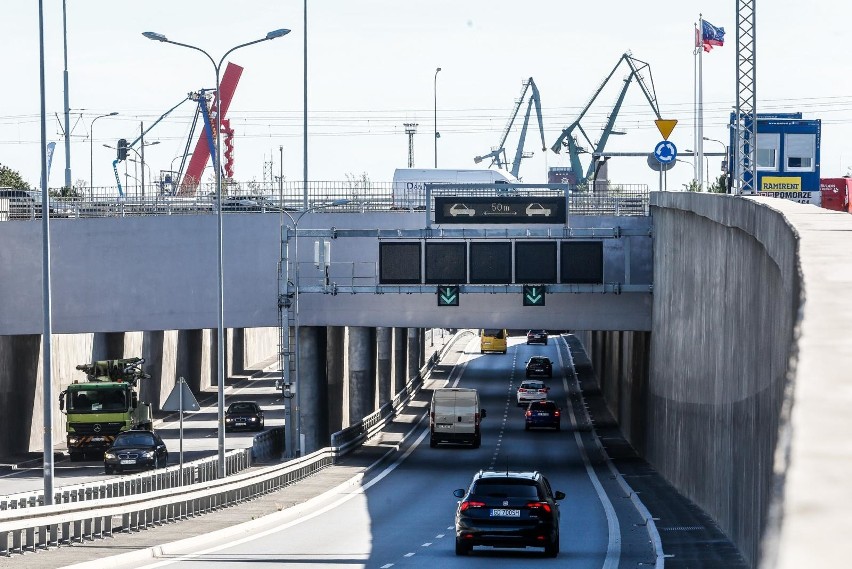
(725, 146)
(294, 435)
(435, 93)
(92, 153)
(220, 315)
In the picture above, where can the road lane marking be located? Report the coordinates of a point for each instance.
(613, 549)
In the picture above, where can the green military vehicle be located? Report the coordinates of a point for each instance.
(103, 405)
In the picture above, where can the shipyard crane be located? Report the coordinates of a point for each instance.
(498, 153)
(569, 136)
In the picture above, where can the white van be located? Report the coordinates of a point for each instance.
(454, 417)
(409, 184)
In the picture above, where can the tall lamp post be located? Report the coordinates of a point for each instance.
(47, 330)
(67, 108)
(92, 152)
(294, 436)
(724, 161)
(220, 314)
(435, 94)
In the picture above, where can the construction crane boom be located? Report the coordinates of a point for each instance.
(571, 135)
(498, 153)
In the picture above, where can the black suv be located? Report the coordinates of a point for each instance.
(539, 365)
(508, 509)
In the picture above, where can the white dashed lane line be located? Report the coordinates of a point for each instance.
(506, 408)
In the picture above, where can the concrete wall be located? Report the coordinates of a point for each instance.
(726, 297)
(746, 406)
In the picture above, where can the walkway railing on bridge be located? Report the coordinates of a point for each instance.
(603, 199)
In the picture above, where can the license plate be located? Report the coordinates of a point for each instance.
(128, 461)
(97, 439)
(241, 423)
(504, 513)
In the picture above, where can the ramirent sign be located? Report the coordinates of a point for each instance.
(788, 188)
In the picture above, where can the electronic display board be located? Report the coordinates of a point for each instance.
(499, 209)
(446, 263)
(581, 262)
(535, 262)
(399, 263)
(491, 262)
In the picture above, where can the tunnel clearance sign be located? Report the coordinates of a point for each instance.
(499, 210)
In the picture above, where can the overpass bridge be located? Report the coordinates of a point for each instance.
(734, 387)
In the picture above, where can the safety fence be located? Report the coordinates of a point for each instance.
(603, 199)
(139, 501)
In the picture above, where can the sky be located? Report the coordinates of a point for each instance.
(371, 68)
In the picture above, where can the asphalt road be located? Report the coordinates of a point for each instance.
(390, 504)
(402, 514)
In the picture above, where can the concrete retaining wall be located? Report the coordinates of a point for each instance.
(746, 407)
(726, 296)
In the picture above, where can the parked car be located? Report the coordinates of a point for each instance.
(249, 203)
(244, 415)
(539, 365)
(508, 509)
(543, 414)
(531, 390)
(22, 204)
(136, 450)
(537, 337)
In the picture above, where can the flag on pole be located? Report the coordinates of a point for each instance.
(710, 36)
(51, 146)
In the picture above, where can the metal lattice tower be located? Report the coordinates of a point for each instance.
(745, 118)
(410, 129)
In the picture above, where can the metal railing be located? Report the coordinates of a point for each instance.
(252, 197)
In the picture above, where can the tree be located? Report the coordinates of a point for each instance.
(11, 179)
(720, 185)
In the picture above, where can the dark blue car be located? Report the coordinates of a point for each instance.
(543, 414)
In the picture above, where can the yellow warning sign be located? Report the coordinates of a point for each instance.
(665, 126)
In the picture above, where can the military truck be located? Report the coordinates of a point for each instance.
(103, 405)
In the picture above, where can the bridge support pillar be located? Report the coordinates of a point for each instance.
(384, 340)
(335, 362)
(362, 383)
(312, 385)
(414, 353)
(21, 403)
(108, 346)
(400, 352)
(152, 351)
(189, 360)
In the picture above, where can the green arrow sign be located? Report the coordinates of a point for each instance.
(533, 295)
(448, 296)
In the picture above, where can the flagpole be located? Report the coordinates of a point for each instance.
(695, 49)
(699, 160)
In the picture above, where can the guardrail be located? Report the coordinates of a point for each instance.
(125, 504)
